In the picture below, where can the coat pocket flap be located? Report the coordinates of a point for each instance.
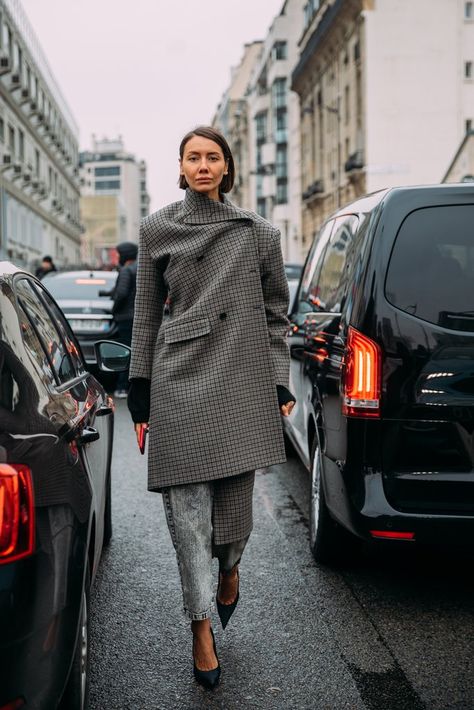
(176, 332)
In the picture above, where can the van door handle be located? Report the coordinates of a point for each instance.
(89, 434)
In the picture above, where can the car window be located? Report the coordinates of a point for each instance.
(431, 270)
(335, 267)
(65, 330)
(308, 295)
(38, 325)
(79, 286)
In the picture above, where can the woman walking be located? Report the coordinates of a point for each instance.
(209, 372)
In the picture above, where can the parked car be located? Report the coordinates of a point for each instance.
(89, 314)
(382, 365)
(293, 271)
(56, 429)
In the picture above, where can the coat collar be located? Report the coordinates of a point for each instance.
(197, 208)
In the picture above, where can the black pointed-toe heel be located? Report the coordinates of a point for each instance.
(208, 679)
(225, 611)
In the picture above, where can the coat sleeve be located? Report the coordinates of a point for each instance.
(121, 290)
(276, 298)
(149, 302)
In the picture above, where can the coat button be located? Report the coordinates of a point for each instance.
(222, 316)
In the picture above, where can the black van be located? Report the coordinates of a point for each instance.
(382, 365)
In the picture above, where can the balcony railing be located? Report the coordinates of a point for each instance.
(355, 161)
(316, 189)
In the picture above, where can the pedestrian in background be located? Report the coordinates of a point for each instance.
(209, 372)
(123, 296)
(46, 267)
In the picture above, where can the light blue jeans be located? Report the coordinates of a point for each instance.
(188, 511)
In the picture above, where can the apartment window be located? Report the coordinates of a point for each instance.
(261, 127)
(2, 130)
(469, 10)
(107, 185)
(468, 125)
(262, 207)
(143, 186)
(11, 139)
(347, 110)
(279, 93)
(37, 163)
(468, 70)
(108, 171)
(281, 166)
(280, 50)
(281, 126)
(282, 193)
(21, 144)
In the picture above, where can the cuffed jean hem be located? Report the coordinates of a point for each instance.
(200, 616)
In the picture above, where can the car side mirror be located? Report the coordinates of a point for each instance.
(111, 356)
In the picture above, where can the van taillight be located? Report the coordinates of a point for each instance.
(363, 368)
(17, 512)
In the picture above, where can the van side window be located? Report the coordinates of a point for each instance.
(335, 267)
(37, 324)
(431, 269)
(309, 294)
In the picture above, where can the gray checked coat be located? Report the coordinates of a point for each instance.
(210, 333)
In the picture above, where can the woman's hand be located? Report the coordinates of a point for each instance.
(287, 408)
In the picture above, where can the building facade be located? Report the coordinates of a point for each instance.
(274, 135)
(39, 177)
(113, 184)
(380, 104)
(461, 168)
(232, 119)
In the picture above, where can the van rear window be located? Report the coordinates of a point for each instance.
(431, 269)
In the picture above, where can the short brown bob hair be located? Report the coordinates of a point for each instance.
(213, 135)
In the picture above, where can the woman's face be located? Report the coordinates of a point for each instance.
(203, 166)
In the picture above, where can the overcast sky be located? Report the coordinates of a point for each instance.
(147, 69)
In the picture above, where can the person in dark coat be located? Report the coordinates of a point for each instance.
(46, 267)
(209, 374)
(123, 296)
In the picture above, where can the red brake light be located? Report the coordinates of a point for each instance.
(392, 535)
(362, 376)
(17, 512)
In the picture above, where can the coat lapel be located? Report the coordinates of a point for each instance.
(199, 209)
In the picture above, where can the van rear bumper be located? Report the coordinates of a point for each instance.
(362, 507)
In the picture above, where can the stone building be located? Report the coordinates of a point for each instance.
(39, 176)
(114, 198)
(380, 103)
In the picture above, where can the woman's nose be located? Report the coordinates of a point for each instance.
(203, 166)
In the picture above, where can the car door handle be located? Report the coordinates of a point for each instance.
(88, 435)
(103, 411)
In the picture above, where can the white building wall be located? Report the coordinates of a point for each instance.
(287, 27)
(416, 95)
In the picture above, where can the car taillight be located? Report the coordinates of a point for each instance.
(363, 367)
(17, 512)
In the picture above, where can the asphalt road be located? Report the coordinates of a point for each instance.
(393, 632)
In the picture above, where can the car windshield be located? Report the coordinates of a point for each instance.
(84, 286)
(293, 271)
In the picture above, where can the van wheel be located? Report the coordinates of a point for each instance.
(330, 543)
(76, 694)
(108, 512)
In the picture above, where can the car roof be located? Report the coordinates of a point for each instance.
(368, 202)
(85, 274)
(8, 269)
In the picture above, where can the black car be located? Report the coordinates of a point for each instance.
(382, 365)
(56, 428)
(89, 314)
